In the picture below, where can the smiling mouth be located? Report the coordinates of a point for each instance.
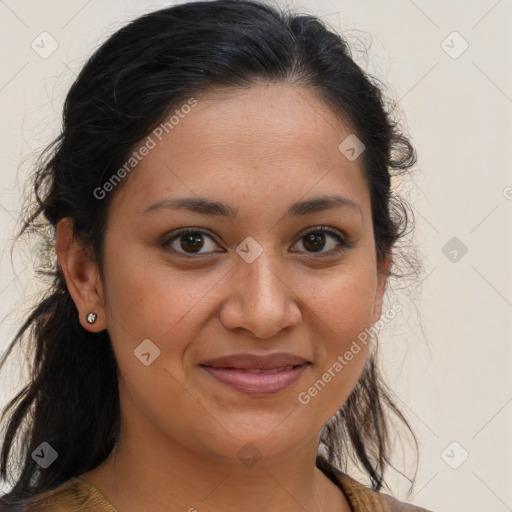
(255, 370)
(254, 381)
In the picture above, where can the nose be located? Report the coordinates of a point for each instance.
(261, 298)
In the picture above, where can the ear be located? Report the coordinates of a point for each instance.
(383, 270)
(81, 274)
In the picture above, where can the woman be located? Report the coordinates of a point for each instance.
(224, 227)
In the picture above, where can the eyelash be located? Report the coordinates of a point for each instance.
(343, 243)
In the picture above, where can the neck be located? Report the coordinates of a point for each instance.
(134, 482)
(149, 470)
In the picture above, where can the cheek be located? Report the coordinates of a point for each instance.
(152, 302)
(344, 303)
(151, 323)
(342, 309)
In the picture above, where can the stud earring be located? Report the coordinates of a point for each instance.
(91, 318)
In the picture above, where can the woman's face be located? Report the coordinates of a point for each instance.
(262, 281)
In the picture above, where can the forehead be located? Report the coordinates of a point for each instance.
(266, 139)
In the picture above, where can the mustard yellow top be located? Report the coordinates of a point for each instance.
(78, 495)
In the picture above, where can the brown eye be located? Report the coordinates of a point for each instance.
(317, 239)
(189, 242)
(314, 241)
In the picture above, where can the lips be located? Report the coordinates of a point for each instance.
(257, 382)
(275, 370)
(269, 363)
(257, 375)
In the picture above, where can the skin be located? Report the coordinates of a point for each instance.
(260, 150)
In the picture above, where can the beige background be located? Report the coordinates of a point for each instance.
(451, 369)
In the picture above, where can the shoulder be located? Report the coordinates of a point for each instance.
(75, 495)
(362, 498)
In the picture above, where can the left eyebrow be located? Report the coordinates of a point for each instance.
(322, 203)
(206, 206)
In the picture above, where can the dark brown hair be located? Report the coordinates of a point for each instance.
(126, 88)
